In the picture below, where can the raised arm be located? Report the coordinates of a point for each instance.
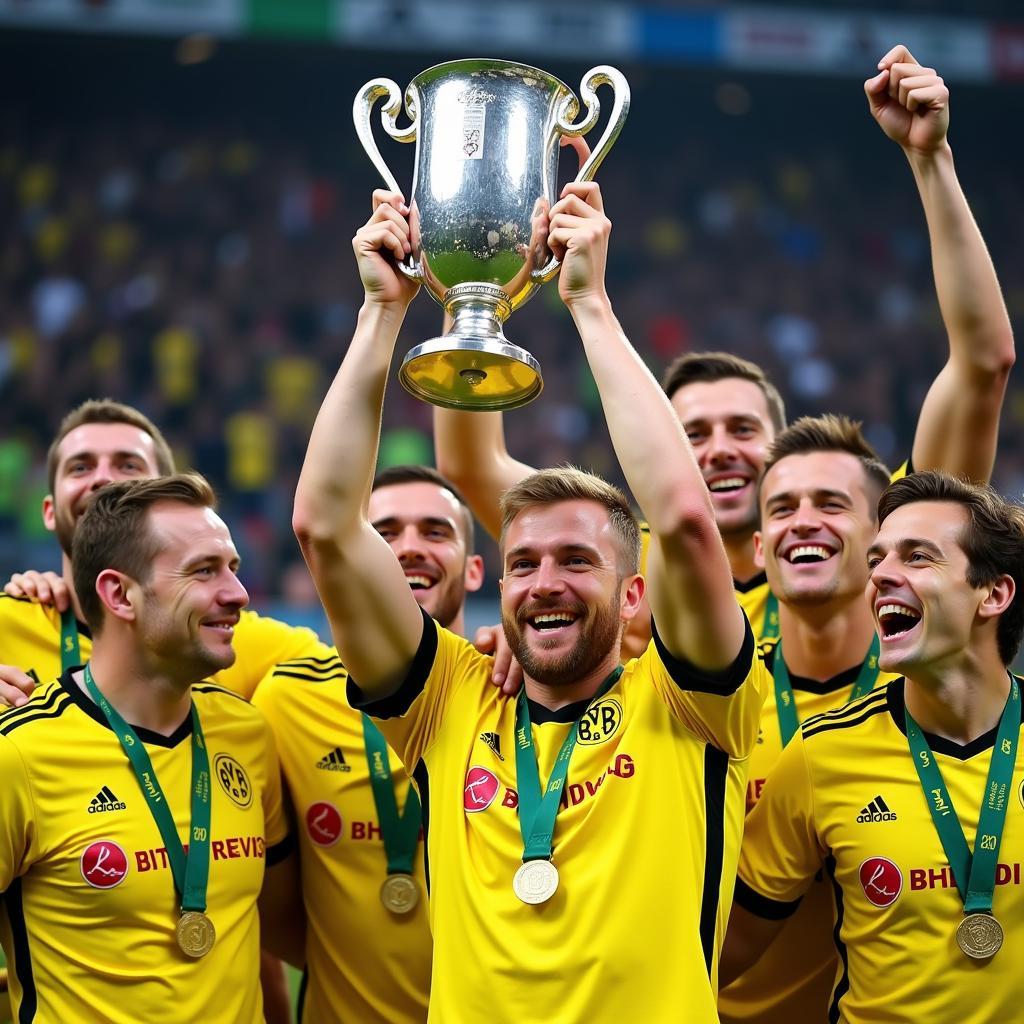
(374, 618)
(690, 582)
(470, 451)
(958, 426)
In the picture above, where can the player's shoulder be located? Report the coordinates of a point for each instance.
(37, 717)
(216, 702)
(320, 669)
(849, 722)
(23, 609)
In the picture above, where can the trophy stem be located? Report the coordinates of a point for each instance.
(473, 366)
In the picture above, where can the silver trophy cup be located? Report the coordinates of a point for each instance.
(486, 174)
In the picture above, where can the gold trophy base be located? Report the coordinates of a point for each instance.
(464, 373)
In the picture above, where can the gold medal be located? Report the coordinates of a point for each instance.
(979, 936)
(400, 893)
(535, 881)
(195, 933)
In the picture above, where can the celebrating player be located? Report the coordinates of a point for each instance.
(140, 804)
(368, 941)
(907, 799)
(817, 501)
(547, 885)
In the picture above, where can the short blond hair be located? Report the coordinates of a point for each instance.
(568, 483)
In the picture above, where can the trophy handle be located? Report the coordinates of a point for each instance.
(362, 109)
(604, 74)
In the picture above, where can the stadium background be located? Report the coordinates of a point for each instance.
(179, 182)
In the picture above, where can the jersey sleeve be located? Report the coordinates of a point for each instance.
(18, 832)
(781, 851)
(260, 643)
(723, 708)
(413, 715)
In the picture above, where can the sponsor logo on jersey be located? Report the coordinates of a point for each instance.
(877, 810)
(599, 722)
(942, 878)
(622, 767)
(104, 864)
(233, 779)
(493, 740)
(323, 822)
(881, 881)
(480, 790)
(230, 848)
(334, 761)
(105, 800)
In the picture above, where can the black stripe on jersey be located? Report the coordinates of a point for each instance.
(422, 778)
(752, 584)
(688, 677)
(325, 676)
(763, 906)
(279, 851)
(37, 702)
(22, 954)
(822, 723)
(55, 712)
(843, 984)
(396, 704)
(300, 1007)
(327, 662)
(848, 710)
(214, 688)
(716, 770)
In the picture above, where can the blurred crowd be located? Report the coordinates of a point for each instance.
(199, 267)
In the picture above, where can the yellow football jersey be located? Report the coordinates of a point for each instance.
(363, 962)
(31, 641)
(89, 906)
(845, 798)
(793, 980)
(645, 842)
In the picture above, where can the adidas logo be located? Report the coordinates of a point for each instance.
(105, 800)
(493, 740)
(877, 810)
(334, 762)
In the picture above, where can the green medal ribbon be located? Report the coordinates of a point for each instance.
(770, 625)
(192, 871)
(70, 656)
(977, 871)
(401, 833)
(537, 813)
(785, 701)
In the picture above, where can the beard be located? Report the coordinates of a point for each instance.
(64, 527)
(173, 643)
(596, 639)
(444, 601)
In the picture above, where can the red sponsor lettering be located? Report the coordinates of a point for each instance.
(510, 799)
(943, 878)
(881, 881)
(104, 864)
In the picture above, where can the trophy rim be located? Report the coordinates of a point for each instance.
(496, 61)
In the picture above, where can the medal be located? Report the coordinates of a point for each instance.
(399, 893)
(979, 936)
(190, 871)
(536, 881)
(401, 832)
(195, 933)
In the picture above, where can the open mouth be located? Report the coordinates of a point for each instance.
(547, 623)
(417, 581)
(805, 554)
(727, 484)
(896, 620)
(225, 626)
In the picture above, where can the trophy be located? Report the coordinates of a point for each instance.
(486, 174)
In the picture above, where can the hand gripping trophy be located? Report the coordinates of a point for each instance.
(486, 171)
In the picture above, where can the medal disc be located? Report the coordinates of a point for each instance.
(195, 933)
(535, 881)
(979, 936)
(399, 893)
